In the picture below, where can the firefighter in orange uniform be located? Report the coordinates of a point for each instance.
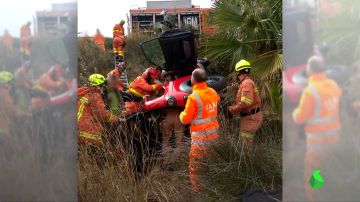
(201, 113)
(119, 46)
(248, 103)
(319, 111)
(99, 40)
(7, 40)
(119, 39)
(25, 37)
(49, 84)
(93, 115)
(115, 74)
(142, 86)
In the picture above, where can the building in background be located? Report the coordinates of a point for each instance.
(148, 20)
(55, 20)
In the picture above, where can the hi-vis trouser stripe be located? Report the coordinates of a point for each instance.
(90, 136)
(201, 121)
(83, 102)
(317, 119)
(202, 143)
(40, 88)
(246, 100)
(136, 92)
(203, 133)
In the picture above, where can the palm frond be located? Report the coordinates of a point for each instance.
(250, 29)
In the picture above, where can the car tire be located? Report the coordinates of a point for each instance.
(338, 72)
(218, 83)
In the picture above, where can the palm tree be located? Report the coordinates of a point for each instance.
(250, 29)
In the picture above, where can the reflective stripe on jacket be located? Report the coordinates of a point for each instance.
(201, 113)
(46, 84)
(140, 87)
(319, 110)
(247, 97)
(92, 115)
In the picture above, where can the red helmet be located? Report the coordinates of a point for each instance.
(150, 72)
(56, 70)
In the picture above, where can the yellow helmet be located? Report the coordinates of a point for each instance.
(241, 65)
(6, 77)
(96, 79)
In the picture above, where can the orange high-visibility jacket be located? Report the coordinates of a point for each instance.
(247, 97)
(140, 87)
(100, 41)
(201, 112)
(46, 84)
(118, 30)
(119, 45)
(92, 115)
(25, 31)
(319, 110)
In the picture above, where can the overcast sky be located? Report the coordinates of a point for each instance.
(103, 14)
(15, 13)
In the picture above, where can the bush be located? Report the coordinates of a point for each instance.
(227, 173)
(92, 60)
(134, 57)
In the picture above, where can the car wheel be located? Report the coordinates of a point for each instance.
(339, 73)
(216, 82)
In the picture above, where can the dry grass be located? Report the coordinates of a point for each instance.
(228, 171)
